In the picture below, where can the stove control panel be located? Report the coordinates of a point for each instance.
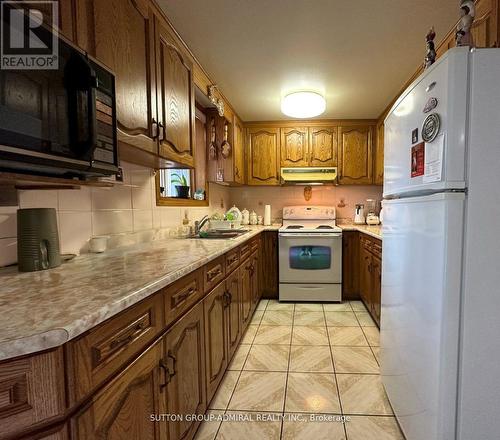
(309, 213)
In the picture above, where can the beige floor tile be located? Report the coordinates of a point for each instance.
(310, 359)
(337, 307)
(208, 429)
(341, 319)
(225, 390)
(363, 394)
(249, 427)
(358, 306)
(257, 316)
(365, 320)
(239, 357)
(274, 304)
(268, 358)
(347, 336)
(262, 304)
(305, 335)
(259, 391)
(249, 334)
(372, 335)
(376, 353)
(305, 429)
(277, 317)
(312, 393)
(308, 307)
(354, 360)
(380, 428)
(273, 334)
(316, 319)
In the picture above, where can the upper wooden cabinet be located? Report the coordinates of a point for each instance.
(263, 156)
(175, 94)
(294, 147)
(323, 146)
(238, 151)
(123, 41)
(378, 163)
(355, 154)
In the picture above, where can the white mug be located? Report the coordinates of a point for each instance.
(98, 244)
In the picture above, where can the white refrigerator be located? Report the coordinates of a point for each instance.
(440, 319)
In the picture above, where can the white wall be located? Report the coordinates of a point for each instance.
(128, 213)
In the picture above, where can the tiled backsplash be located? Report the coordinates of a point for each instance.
(254, 198)
(128, 213)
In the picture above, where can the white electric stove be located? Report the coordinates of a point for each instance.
(310, 255)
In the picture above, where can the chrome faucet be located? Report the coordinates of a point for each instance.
(199, 224)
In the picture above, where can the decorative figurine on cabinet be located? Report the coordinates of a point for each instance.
(430, 57)
(463, 35)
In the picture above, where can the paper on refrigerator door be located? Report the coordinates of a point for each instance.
(433, 168)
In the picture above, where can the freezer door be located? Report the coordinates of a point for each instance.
(421, 282)
(410, 165)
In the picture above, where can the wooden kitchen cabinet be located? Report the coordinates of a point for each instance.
(323, 146)
(183, 362)
(254, 269)
(246, 292)
(378, 162)
(263, 160)
(214, 306)
(123, 40)
(350, 265)
(233, 313)
(355, 155)
(294, 147)
(238, 156)
(123, 408)
(175, 95)
(371, 275)
(269, 270)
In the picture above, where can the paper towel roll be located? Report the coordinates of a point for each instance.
(267, 215)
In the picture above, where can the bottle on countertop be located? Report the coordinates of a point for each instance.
(253, 218)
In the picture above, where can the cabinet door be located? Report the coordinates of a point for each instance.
(255, 278)
(350, 265)
(238, 151)
(233, 310)
(263, 156)
(123, 41)
(376, 288)
(184, 361)
(215, 338)
(485, 27)
(323, 146)
(355, 155)
(379, 156)
(176, 108)
(123, 408)
(269, 265)
(294, 147)
(366, 276)
(246, 292)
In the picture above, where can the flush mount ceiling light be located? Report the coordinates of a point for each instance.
(303, 104)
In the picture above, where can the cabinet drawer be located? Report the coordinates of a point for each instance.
(181, 295)
(377, 247)
(105, 349)
(232, 260)
(255, 243)
(213, 273)
(245, 250)
(366, 243)
(31, 390)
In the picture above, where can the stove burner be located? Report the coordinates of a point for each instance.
(295, 227)
(324, 227)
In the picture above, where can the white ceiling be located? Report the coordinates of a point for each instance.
(358, 53)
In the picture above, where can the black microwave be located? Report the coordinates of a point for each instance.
(59, 122)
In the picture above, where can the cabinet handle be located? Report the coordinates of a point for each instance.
(164, 134)
(154, 128)
(120, 342)
(213, 273)
(232, 260)
(166, 374)
(173, 360)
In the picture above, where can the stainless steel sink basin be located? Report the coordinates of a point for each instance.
(221, 234)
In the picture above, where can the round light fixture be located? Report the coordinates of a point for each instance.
(303, 104)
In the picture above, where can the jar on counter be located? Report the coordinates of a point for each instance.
(245, 217)
(253, 218)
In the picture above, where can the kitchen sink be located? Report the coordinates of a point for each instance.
(221, 234)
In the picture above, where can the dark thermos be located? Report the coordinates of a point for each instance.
(37, 239)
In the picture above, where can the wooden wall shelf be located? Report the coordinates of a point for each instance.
(25, 181)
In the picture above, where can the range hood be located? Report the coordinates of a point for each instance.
(309, 176)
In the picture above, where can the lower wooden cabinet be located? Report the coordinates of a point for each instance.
(233, 313)
(124, 407)
(254, 274)
(183, 364)
(350, 265)
(268, 265)
(246, 291)
(214, 306)
(371, 275)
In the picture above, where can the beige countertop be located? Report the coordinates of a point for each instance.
(42, 310)
(373, 231)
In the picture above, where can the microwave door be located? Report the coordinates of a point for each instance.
(81, 83)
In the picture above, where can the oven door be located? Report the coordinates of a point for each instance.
(310, 258)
